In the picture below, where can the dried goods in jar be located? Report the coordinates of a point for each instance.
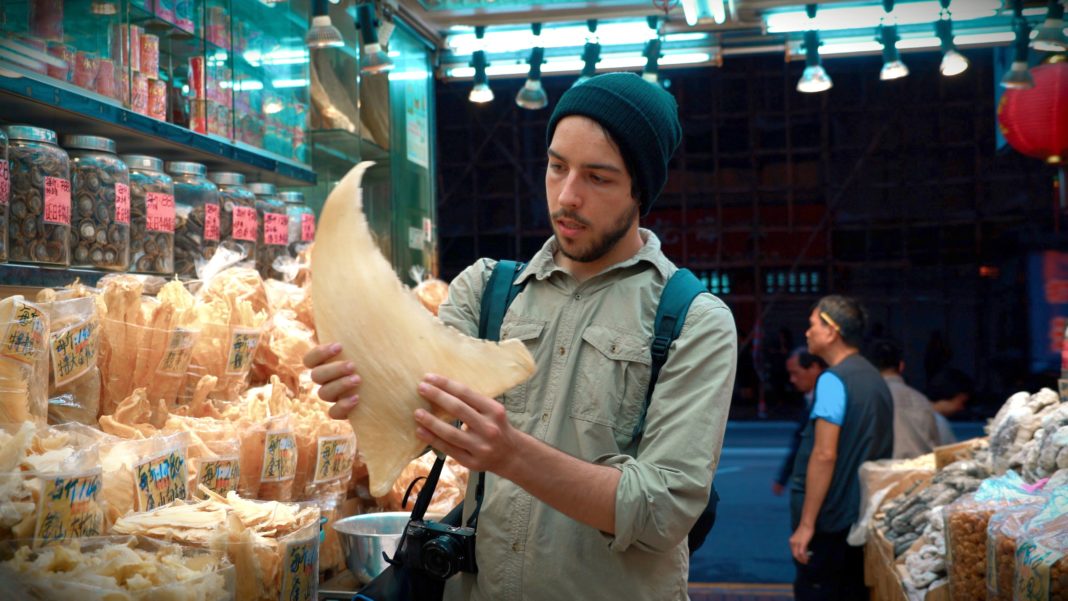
(272, 239)
(197, 214)
(100, 233)
(151, 216)
(39, 210)
(5, 194)
(239, 220)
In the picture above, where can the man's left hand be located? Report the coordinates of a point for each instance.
(487, 441)
(799, 543)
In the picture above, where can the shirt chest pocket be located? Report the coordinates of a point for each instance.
(530, 333)
(611, 378)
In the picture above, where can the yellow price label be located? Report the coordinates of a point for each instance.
(242, 347)
(70, 507)
(161, 480)
(179, 351)
(220, 475)
(74, 351)
(300, 574)
(334, 458)
(279, 456)
(25, 335)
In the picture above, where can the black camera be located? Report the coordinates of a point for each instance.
(439, 549)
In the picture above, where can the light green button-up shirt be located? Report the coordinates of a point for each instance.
(591, 343)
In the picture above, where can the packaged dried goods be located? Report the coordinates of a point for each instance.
(1015, 425)
(115, 568)
(268, 458)
(100, 232)
(273, 546)
(240, 221)
(1047, 452)
(1042, 553)
(1002, 534)
(23, 361)
(273, 238)
(74, 344)
(140, 475)
(281, 351)
(967, 519)
(886, 479)
(452, 484)
(196, 205)
(39, 212)
(151, 216)
(395, 341)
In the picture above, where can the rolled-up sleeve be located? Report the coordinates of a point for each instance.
(666, 486)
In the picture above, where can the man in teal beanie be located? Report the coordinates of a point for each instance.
(579, 501)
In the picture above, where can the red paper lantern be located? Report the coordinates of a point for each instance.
(1035, 121)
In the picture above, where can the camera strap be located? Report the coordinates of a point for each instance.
(422, 501)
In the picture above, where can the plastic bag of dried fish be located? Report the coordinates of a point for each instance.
(23, 361)
(967, 519)
(74, 344)
(50, 482)
(885, 479)
(1015, 425)
(140, 475)
(1047, 452)
(274, 546)
(1042, 553)
(116, 568)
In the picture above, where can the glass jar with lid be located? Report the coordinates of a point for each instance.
(239, 220)
(196, 214)
(39, 209)
(274, 235)
(100, 224)
(301, 222)
(5, 194)
(151, 216)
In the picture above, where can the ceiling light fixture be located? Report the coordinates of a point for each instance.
(893, 68)
(652, 52)
(372, 58)
(700, 11)
(1018, 77)
(480, 91)
(1051, 36)
(322, 33)
(591, 53)
(815, 78)
(953, 62)
(532, 95)
(863, 17)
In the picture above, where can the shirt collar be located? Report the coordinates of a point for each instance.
(893, 378)
(543, 264)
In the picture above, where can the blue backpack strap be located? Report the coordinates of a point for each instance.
(675, 301)
(497, 297)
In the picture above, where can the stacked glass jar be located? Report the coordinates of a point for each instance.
(197, 212)
(301, 222)
(274, 235)
(151, 216)
(239, 221)
(39, 207)
(100, 233)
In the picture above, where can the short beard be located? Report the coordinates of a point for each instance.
(606, 243)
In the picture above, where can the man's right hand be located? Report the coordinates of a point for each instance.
(337, 379)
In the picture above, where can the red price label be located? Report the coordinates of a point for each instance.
(5, 182)
(122, 204)
(57, 201)
(275, 229)
(159, 213)
(211, 222)
(244, 224)
(307, 227)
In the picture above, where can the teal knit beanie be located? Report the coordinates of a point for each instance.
(642, 119)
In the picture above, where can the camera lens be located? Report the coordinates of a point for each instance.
(440, 557)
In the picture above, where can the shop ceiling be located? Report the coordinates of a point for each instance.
(729, 27)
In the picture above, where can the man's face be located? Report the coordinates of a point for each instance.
(588, 190)
(804, 380)
(820, 334)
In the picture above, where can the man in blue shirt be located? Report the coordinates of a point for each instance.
(851, 422)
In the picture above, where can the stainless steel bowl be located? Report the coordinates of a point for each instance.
(365, 537)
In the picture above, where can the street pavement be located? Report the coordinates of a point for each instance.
(749, 540)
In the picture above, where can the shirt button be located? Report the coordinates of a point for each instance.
(515, 547)
(544, 417)
(561, 351)
(578, 297)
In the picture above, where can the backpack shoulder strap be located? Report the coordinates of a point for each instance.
(675, 301)
(497, 297)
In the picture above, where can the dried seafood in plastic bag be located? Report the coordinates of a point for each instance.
(23, 361)
(74, 344)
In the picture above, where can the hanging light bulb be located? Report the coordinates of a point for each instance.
(1018, 77)
(322, 33)
(272, 104)
(480, 92)
(953, 62)
(103, 8)
(814, 79)
(1050, 37)
(591, 53)
(372, 58)
(652, 53)
(893, 68)
(532, 95)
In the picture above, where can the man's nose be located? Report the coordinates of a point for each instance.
(570, 193)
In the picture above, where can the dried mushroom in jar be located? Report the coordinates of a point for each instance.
(151, 216)
(39, 211)
(197, 217)
(100, 235)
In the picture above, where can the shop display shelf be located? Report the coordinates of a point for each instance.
(337, 150)
(27, 279)
(40, 100)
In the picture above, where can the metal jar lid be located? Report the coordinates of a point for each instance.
(292, 197)
(30, 133)
(186, 168)
(263, 189)
(89, 143)
(140, 161)
(227, 178)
